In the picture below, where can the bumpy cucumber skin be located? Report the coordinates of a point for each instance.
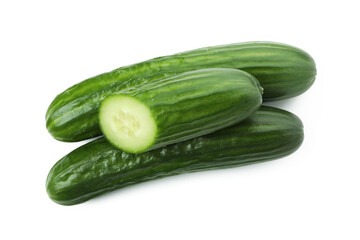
(196, 103)
(282, 70)
(98, 167)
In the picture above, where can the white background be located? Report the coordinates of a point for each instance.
(47, 46)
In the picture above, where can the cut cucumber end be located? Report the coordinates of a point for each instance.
(127, 123)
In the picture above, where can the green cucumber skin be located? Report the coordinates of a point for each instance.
(199, 102)
(282, 70)
(98, 167)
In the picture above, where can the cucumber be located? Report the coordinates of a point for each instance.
(177, 108)
(98, 167)
(283, 71)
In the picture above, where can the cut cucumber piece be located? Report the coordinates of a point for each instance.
(178, 108)
(128, 123)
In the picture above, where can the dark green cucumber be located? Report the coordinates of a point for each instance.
(177, 108)
(98, 167)
(283, 71)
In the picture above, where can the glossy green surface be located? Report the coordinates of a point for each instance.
(282, 70)
(195, 103)
(98, 167)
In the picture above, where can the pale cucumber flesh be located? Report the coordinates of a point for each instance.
(127, 123)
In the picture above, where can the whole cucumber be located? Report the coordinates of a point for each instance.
(98, 167)
(282, 70)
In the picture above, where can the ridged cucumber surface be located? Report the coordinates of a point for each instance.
(282, 70)
(178, 108)
(98, 167)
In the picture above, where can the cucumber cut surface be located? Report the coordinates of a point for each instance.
(127, 123)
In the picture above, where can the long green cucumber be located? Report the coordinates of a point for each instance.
(178, 108)
(282, 70)
(98, 167)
